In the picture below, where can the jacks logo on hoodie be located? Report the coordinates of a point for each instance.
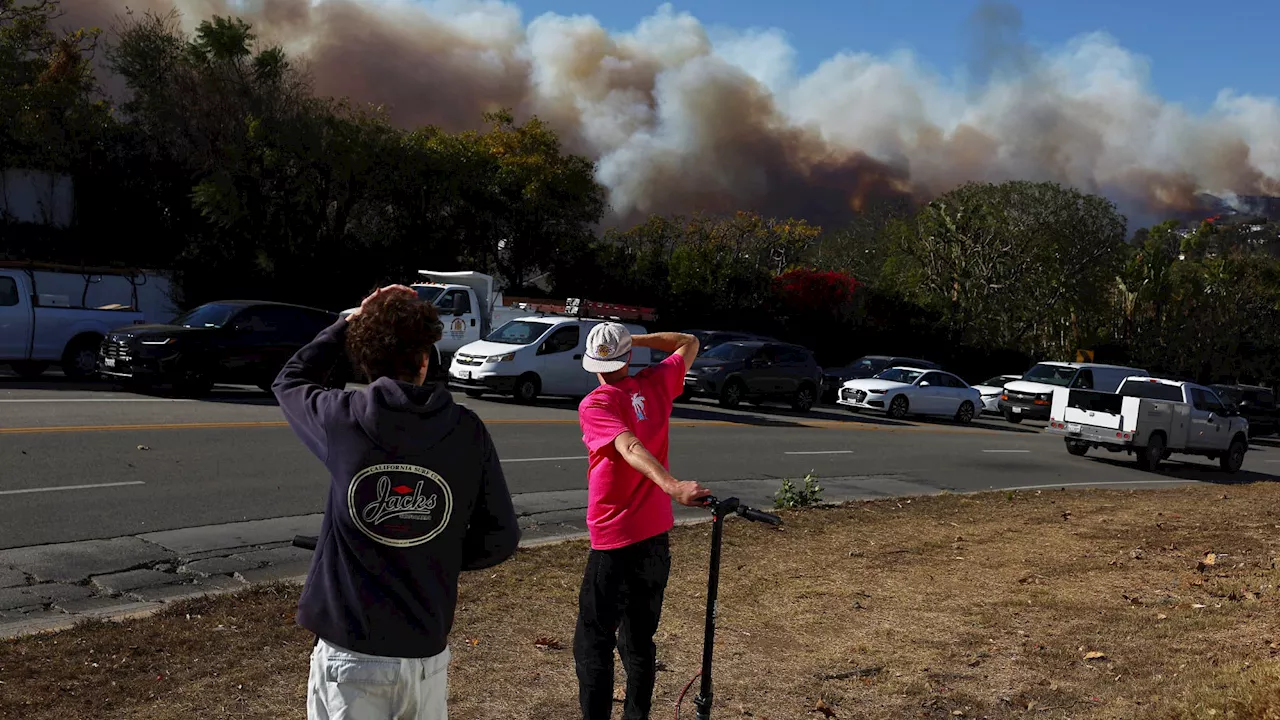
(399, 505)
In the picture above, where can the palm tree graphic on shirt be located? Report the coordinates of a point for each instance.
(637, 404)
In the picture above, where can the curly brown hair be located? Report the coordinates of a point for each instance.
(391, 336)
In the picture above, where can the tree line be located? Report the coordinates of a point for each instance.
(217, 164)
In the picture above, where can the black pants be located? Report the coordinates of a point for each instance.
(620, 605)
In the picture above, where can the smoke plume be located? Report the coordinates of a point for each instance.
(681, 119)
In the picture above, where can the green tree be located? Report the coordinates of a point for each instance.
(1019, 265)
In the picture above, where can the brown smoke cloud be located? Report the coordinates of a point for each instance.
(679, 122)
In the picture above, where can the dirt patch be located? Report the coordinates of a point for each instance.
(1091, 604)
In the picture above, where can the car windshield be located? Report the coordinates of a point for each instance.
(1232, 395)
(428, 293)
(1151, 390)
(866, 365)
(213, 315)
(728, 351)
(900, 375)
(1051, 374)
(517, 332)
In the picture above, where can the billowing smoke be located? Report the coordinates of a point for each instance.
(681, 119)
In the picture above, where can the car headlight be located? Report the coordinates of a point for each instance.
(1045, 397)
(164, 341)
(877, 392)
(500, 358)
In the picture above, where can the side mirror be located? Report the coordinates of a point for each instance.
(460, 304)
(925, 384)
(1212, 416)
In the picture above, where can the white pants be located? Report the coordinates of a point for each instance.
(346, 685)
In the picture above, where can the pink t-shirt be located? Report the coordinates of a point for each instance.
(623, 506)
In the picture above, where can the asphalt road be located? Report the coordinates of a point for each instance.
(80, 462)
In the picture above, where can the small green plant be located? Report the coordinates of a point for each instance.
(789, 496)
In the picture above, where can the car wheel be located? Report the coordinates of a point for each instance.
(731, 394)
(1075, 447)
(80, 359)
(899, 407)
(1011, 418)
(804, 399)
(1150, 456)
(527, 388)
(474, 393)
(964, 415)
(1233, 458)
(29, 370)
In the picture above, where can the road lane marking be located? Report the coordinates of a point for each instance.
(819, 452)
(1006, 451)
(96, 400)
(70, 487)
(1166, 481)
(167, 426)
(748, 422)
(546, 459)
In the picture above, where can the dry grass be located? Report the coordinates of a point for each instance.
(973, 606)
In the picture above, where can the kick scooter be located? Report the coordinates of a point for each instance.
(720, 510)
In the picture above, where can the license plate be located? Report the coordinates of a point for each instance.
(1017, 411)
(109, 362)
(464, 374)
(1073, 428)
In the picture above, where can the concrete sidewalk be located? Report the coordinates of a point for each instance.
(48, 587)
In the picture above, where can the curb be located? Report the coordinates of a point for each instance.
(123, 608)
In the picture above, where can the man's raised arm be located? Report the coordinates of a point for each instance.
(686, 346)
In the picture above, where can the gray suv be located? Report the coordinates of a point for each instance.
(756, 371)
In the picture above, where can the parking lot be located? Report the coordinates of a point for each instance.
(89, 461)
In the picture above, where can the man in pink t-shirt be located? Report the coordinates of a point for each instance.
(625, 425)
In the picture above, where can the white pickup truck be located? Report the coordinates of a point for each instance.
(1151, 418)
(54, 314)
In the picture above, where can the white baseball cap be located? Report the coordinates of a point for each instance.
(608, 348)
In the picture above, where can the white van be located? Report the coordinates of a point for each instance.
(1032, 396)
(532, 356)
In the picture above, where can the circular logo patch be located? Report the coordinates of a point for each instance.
(399, 505)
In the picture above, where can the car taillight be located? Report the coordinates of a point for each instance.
(1004, 397)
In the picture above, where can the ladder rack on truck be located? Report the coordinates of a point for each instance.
(579, 308)
(136, 278)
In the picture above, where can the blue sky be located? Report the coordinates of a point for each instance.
(1196, 49)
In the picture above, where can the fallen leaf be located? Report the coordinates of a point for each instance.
(546, 643)
(1198, 606)
(1208, 561)
(1162, 616)
(1136, 554)
(1095, 655)
(824, 708)
(143, 447)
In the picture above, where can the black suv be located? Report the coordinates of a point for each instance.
(866, 367)
(756, 371)
(236, 341)
(1256, 404)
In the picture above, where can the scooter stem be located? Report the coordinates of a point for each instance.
(719, 511)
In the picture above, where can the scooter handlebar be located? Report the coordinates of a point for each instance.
(731, 505)
(757, 516)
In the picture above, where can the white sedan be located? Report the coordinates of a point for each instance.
(991, 389)
(903, 391)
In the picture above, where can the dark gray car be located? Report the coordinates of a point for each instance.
(757, 372)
